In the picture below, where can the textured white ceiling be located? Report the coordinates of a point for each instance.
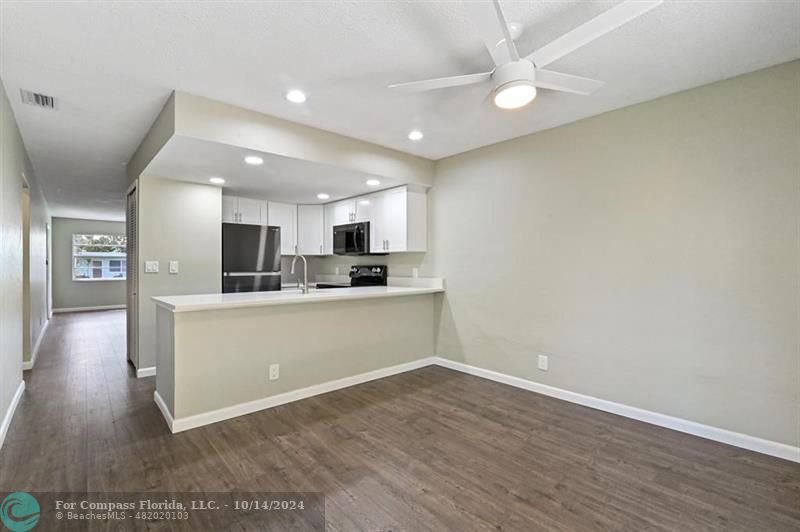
(113, 64)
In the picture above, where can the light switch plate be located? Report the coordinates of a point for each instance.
(151, 266)
(173, 266)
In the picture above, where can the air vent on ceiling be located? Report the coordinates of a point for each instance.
(37, 99)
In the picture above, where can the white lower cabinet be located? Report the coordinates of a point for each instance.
(310, 229)
(284, 215)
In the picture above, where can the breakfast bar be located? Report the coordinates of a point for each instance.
(224, 355)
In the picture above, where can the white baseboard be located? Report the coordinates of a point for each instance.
(9, 414)
(164, 411)
(145, 372)
(745, 441)
(28, 364)
(87, 309)
(206, 418)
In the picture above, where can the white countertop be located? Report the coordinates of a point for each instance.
(192, 303)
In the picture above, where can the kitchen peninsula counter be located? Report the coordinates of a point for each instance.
(217, 355)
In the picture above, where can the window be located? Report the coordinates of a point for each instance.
(98, 257)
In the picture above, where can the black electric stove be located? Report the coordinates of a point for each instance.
(376, 275)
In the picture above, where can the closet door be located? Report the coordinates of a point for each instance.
(132, 273)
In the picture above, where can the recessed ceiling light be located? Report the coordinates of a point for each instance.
(515, 95)
(373, 182)
(322, 195)
(217, 180)
(254, 160)
(415, 134)
(296, 96)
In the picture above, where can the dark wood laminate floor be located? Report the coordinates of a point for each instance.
(428, 450)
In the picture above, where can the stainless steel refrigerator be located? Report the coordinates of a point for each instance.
(251, 258)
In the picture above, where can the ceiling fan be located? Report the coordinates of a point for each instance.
(515, 78)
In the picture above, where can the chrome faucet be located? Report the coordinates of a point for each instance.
(304, 287)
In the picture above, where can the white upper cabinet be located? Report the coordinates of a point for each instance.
(397, 216)
(230, 213)
(329, 214)
(284, 215)
(252, 211)
(343, 212)
(364, 208)
(244, 210)
(310, 228)
(398, 221)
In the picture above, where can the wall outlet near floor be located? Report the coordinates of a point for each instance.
(151, 266)
(173, 266)
(543, 362)
(274, 372)
(337, 270)
(415, 273)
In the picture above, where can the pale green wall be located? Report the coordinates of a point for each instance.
(221, 358)
(178, 221)
(652, 252)
(12, 165)
(22, 316)
(69, 294)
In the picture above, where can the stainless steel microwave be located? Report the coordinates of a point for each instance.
(351, 239)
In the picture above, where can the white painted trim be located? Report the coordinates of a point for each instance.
(745, 441)
(87, 309)
(145, 372)
(28, 365)
(206, 418)
(164, 411)
(9, 415)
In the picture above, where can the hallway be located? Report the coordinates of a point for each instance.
(399, 453)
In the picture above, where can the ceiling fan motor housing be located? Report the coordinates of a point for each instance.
(513, 72)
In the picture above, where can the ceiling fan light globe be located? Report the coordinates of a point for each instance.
(514, 95)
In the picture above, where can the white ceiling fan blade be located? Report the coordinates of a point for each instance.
(442, 83)
(482, 15)
(512, 48)
(594, 29)
(547, 79)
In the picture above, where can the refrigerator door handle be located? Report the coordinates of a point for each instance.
(250, 274)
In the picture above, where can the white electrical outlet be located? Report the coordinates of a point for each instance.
(274, 372)
(543, 362)
(415, 273)
(337, 270)
(173, 266)
(151, 266)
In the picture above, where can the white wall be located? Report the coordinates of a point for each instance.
(177, 221)
(69, 294)
(653, 252)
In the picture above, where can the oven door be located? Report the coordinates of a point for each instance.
(351, 239)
